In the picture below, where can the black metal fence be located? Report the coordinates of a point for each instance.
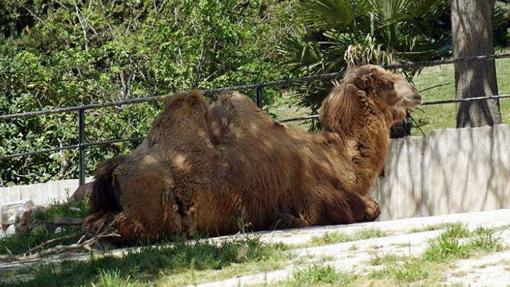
(82, 144)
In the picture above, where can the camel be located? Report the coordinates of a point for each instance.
(228, 167)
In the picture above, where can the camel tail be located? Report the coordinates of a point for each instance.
(105, 196)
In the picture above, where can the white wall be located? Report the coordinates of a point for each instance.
(448, 171)
(40, 193)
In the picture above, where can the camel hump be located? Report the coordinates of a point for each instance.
(233, 113)
(183, 122)
(193, 98)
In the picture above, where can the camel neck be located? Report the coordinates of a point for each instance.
(368, 141)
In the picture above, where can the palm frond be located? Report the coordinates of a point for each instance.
(328, 14)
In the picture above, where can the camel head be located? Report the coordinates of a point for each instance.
(388, 95)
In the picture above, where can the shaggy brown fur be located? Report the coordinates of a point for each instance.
(215, 170)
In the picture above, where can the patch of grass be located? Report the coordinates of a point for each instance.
(432, 227)
(411, 271)
(449, 245)
(73, 208)
(114, 279)
(151, 263)
(338, 237)
(454, 243)
(319, 274)
(385, 259)
(21, 243)
(191, 277)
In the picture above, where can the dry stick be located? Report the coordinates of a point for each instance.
(57, 249)
(48, 242)
(107, 232)
(62, 248)
(65, 248)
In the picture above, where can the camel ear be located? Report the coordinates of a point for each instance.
(364, 82)
(340, 107)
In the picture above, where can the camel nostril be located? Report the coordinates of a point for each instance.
(417, 98)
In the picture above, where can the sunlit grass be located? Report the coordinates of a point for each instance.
(338, 237)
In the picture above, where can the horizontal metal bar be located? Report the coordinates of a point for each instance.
(504, 96)
(5, 157)
(87, 144)
(279, 83)
(445, 61)
(423, 104)
(106, 142)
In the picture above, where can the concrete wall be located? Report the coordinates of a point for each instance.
(448, 171)
(40, 193)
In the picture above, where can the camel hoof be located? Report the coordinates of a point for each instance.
(372, 210)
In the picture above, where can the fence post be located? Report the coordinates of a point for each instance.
(81, 141)
(259, 96)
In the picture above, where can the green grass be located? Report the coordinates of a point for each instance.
(384, 259)
(338, 237)
(113, 278)
(444, 116)
(150, 264)
(319, 275)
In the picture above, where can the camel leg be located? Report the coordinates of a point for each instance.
(348, 207)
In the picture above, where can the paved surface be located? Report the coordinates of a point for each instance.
(491, 270)
(353, 256)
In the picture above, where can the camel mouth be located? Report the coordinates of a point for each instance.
(412, 101)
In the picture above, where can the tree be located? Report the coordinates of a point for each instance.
(472, 36)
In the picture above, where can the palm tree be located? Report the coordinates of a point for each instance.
(336, 33)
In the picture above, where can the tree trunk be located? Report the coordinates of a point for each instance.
(472, 36)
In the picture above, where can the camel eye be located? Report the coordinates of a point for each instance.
(385, 85)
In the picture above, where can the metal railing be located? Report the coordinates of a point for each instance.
(80, 110)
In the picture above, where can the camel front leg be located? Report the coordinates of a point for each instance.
(348, 207)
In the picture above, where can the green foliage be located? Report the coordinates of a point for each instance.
(366, 31)
(62, 53)
(149, 263)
